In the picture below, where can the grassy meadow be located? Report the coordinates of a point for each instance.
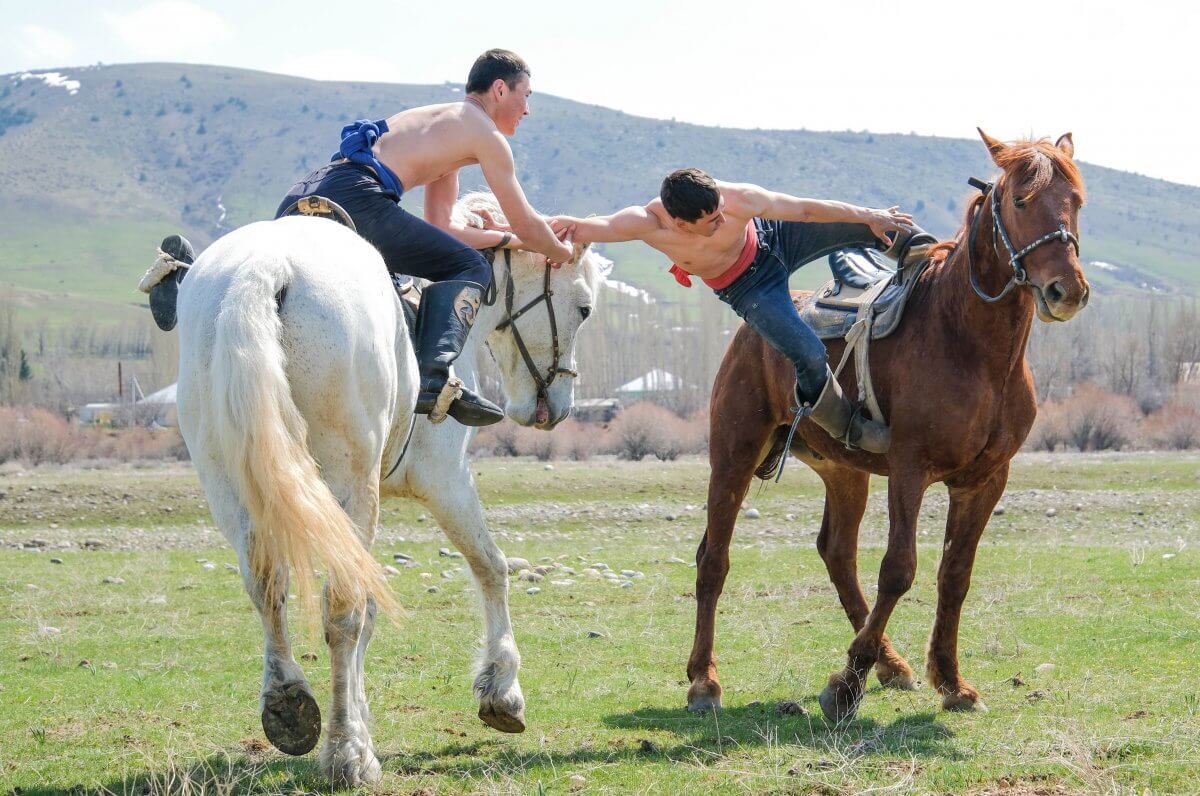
(1081, 632)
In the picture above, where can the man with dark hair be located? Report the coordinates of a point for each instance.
(426, 146)
(744, 242)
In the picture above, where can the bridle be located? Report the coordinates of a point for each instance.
(1020, 276)
(510, 317)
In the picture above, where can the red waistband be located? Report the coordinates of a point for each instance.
(729, 275)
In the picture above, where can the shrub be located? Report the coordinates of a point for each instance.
(1049, 428)
(542, 445)
(637, 432)
(1096, 420)
(578, 441)
(1176, 426)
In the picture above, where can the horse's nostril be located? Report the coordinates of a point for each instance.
(1054, 292)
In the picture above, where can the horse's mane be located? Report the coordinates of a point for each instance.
(1032, 165)
(592, 266)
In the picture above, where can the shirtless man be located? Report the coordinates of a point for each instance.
(744, 242)
(378, 161)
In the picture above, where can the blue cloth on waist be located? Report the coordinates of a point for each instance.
(357, 140)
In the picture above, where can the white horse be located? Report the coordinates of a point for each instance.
(297, 383)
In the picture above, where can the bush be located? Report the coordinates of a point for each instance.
(1176, 426)
(578, 441)
(1096, 420)
(1049, 428)
(646, 429)
(36, 436)
(541, 445)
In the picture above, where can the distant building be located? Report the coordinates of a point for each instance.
(649, 385)
(596, 410)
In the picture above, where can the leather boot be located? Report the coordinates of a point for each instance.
(164, 294)
(833, 412)
(444, 319)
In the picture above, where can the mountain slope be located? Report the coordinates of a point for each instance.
(99, 163)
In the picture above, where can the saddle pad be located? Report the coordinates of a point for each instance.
(832, 310)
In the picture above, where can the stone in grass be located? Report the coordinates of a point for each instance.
(790, 708)
(600, 566)
(675, 560)
(208, 565)
(998, 511)
(752, 514)
(577, 781)
(114, 580)
(432, 590)
(402, 558)
(1052, 512)
(531, 577)
(1042, 668)
(595, 634)
(533, 590)
(647, 747)
(56, 561)
(46, 630)
(388, 569)
(627, 584)
(518, 564)
(567, 582)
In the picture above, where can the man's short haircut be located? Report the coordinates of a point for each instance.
(688, 194)
(496, 65)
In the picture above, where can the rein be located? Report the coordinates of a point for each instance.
(1019, 276)
(543, 382)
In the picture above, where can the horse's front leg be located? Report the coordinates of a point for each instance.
(841, 697)
(455, 505)
(970, 509)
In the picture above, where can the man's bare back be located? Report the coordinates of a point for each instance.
(425, 144)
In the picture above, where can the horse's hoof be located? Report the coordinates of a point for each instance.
(964, 702)
(704, 704)
(703, 696)
(900, 682)
(837, 705)
(291, 719)
(504, 722)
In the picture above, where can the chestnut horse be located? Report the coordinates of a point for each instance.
(954, 385)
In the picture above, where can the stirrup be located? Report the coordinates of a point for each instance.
(452, 390)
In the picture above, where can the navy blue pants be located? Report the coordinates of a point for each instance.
(409, 245)
(761, 297)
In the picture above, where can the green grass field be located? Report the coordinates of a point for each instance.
(151, 685)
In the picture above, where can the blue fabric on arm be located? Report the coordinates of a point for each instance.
(357, 141)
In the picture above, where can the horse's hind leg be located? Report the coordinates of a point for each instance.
(970, 509)
(291, 719)
(348, 756)
(737, 440)
(845, 502)
(455, 505)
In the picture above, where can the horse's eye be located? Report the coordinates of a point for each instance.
(1018, 202)
(585, 312)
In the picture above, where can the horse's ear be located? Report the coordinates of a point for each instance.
(1066, 144)
(994, 147)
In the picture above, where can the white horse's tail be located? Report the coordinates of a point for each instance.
(295, 518)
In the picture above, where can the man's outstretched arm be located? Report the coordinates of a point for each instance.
(758, 201)
(632, 223)
(440, 196)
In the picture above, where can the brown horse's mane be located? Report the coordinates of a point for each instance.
(1033, 165)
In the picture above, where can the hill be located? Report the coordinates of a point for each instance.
(99, 163)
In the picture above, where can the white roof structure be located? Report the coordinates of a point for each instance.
(164, 396)
(657, 380)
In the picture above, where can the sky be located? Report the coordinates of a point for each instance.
(1123, 77)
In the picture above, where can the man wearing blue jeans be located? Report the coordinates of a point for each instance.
(744, 242)
(426, 146)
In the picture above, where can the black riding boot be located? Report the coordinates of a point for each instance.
(444, 319)
(164, 294)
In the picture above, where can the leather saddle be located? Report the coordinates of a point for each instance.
(860, 277)
(408, 288)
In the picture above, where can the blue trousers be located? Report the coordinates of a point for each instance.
(409, 245)
(760, 296)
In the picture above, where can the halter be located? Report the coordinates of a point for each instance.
(543, 382)
(1020, 276)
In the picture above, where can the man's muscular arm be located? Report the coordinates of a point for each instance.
(440, 196)
(757, 201)
(496, 160)
(632, 223)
